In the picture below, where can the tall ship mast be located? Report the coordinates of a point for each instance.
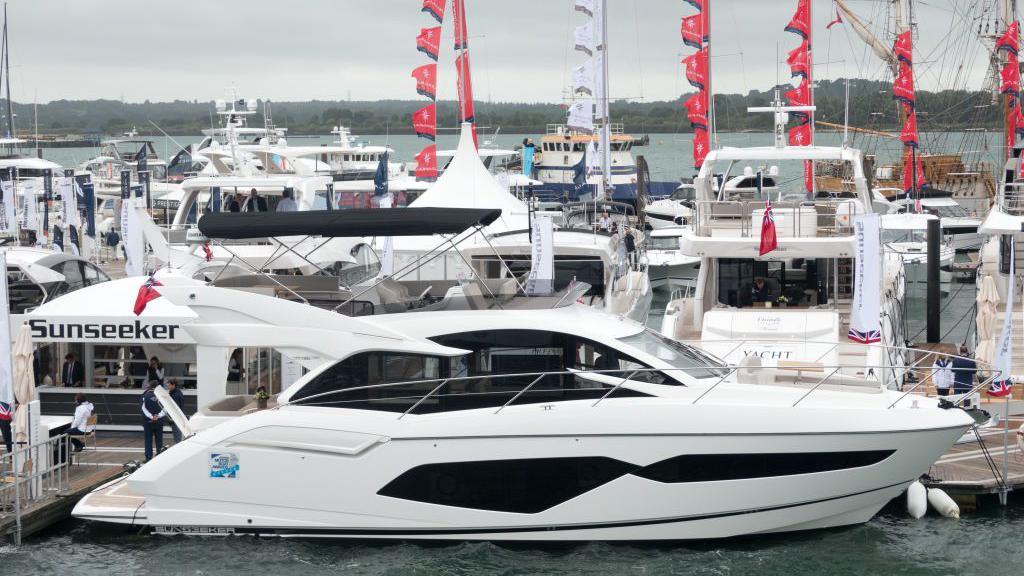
(967, 174)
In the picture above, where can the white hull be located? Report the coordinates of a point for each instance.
(294, 490)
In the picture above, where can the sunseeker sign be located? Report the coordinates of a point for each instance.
(137, 331)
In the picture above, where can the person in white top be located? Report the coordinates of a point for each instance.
(942, 375)
(287, 203)
(80, 424)
(604, 223)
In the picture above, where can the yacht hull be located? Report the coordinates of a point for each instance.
(324, 490)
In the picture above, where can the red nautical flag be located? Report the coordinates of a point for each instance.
(459, 19)
(435, 8)
(701, 145)
(769, 240)
(909, 134)
(800, 135)
(1010, 75)
(429, 41)
(799, 96)
(207, 253)
(912, 165)
(697, 69)
(465, 89)
(903, 48)
(147, 293)
(426, 80)
(1016, 120)
(424, 122)
(838, 20)
(692, 31)
(903, 87)
(809, 176)
(426, 163)
(697, 110)
(801, 22)
(799, 60)
(1010, 40)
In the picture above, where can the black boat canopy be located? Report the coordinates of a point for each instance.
(345, 223)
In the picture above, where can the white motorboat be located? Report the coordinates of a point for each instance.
(563, 424)
(907, 236)
(958, 226)
(667, 266)
(676, 210)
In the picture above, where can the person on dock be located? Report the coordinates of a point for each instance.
(72, 374)
(942, 375)
(964, 368)
(80, 424)
(153, 421)
(179, 398)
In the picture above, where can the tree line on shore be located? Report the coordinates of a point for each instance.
(870, 106)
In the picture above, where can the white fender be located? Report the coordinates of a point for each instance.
(917, 499)
(942, 503)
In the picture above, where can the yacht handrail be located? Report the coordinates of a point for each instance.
(709, 215)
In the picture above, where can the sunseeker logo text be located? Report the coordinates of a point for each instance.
(128, 331)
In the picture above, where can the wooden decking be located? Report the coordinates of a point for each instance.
(91, 468)
(966, 470)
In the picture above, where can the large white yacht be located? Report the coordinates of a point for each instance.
(564, 424)
(808, 278)
(907, 236)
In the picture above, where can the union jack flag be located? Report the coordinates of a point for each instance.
(6, 413)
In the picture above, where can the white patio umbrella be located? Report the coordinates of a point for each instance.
(24, 381)
(988, 303)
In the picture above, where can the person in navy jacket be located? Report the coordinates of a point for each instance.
(153, 420)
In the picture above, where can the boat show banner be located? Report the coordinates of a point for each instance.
(1002, 363)
(131, 236)
(542, 260)
(29, 213)
(7, 203)
(69, 199)
(865, 324)
(6, 372)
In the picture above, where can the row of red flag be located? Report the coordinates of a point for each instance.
(424, 120)
(903, 91)
(800, 66)
(695, 31)
(1009, 85)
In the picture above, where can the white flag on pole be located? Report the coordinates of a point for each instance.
(131, 236)
(583, 77)
(584, 38)
(585, 6)
(69, 199)
(7, 207)
(542, 258)
(865, 316)
(29, 212)
(581, 115)
(6, 371)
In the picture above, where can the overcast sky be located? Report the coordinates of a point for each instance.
(364, 49)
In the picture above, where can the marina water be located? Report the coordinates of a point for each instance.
(987, 542)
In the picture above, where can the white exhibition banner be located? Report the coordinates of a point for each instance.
(542, 258)
(6, 368)
(29, 212)
(70, 201)
(291, 371)
(1002, 362)
(131, 236)
(865, 324)
(7, 207)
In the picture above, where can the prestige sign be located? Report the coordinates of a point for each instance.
(43, 329)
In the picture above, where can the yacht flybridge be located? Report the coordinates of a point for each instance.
(782, 304)
(556, 424)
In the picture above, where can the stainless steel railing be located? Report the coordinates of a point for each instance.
(820, 218)
(32, 473)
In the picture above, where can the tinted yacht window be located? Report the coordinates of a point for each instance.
(690, 360)
(416, 374)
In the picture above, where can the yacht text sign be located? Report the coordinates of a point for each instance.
(107, 331)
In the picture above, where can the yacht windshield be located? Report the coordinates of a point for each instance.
(690, 360)
(664, 243)
(955, 211)
(892, 236)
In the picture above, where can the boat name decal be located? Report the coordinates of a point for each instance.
(99, 331)
(777, 354)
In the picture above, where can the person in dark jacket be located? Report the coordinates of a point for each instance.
(234, 203)
(155, 371)
(152, 421)
(255, 202)
(630, 242)
(72, 373)
(964, 369)
(179, 398)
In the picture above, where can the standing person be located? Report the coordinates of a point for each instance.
(630, 242)
(255, 202)
(287, 203)
(5, 427)
(235, 369)
(235, 203)
(179, 398)
(71, 373)
(963, 369)
(942, 375)
(155, 371)
(604, 223)
(152, 422)
(80, 425)
(529, 150)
